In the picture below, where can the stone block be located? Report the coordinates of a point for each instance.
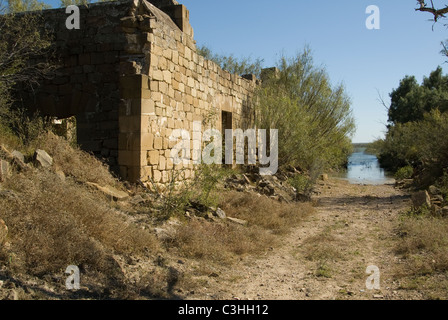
(148, 107)
(147, 141)
(157, 176)
(153, 157)
(162, 163)
(167, 76)
(158, 143)
(157, 75)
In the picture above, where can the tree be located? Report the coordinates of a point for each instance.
(21, 40)
(410, 101)
(313, 118)
(24, 57)
(437, 14)
(232, 64)
(15, 6)
(66, 3)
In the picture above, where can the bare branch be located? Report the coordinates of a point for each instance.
(437, 13)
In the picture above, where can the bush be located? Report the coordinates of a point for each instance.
(404, 173)
(179, 193)
(301, 183)
(313, 119)
(420, 144)
(232, 64)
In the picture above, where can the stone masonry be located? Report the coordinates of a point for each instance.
(131, 75)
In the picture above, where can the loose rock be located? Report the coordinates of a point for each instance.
(3, 232)
(238, 221)
(43, 159)
(5, 171)
(220, 213)
(109, 191)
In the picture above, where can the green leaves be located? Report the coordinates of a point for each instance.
(313, 118)
(421, 144)
(410, 101)
(232, 64)
(15, 6)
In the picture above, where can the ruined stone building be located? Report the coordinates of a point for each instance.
(131, 75)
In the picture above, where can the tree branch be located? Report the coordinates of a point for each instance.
(437, 13)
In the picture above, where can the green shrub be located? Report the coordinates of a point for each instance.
(420, 144)
(313, 118)
(175, 197)
(301, 183)
(404, 173)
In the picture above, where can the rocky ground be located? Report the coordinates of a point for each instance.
(327, 256)
(354, 227)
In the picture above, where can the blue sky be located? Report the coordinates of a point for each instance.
(370, 63)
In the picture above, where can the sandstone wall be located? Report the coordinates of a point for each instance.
(132, 75)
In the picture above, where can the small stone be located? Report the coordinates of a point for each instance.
(111, 192)
(3, 232)
(18, 155)
(137, 200)
(238, 221)
(5, 171)
(378, 296)
(60, 174)
(43, 159)
(220, 214)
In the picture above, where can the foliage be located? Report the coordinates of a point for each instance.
(15, 6)
(313, 118)
(232, 64)
(442, 184)
(410, 101)
(404, 173)
(179, 193)
(301, 183)
(420, 144)
(375, 147)
(21, 40)
(66, 3)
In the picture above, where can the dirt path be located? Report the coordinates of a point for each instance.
(327, 256)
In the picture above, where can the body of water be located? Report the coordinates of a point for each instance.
(364, 168)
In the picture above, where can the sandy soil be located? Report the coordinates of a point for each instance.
(327, 256)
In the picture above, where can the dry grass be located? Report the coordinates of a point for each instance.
(219, 242)
(75, 162)
(322, 247)
(8, 139)
(264, 212)
(54, 223)
(424, 245)
(223, 242)
(325, 250)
